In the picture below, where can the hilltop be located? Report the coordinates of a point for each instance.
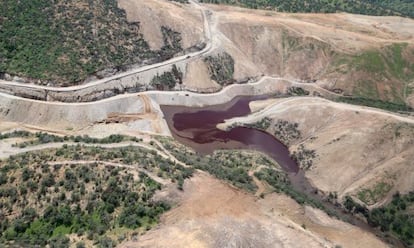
(365, 7)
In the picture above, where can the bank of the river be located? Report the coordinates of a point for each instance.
(197, 128)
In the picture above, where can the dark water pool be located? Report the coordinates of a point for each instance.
(196, 127)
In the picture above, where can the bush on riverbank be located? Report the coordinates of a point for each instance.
(395, 217)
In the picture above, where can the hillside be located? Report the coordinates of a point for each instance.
(47, 197)
(369, 58)
(365, 60)
(182, 123)
(358, 158)
(365, 7)
(91, 196)
(63, 42)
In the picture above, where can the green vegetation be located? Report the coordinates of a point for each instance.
(15, 134)
(180, 1)
(354, 207)
(304, 157)
(64, 41)
(42, 200)
(297, 91)
(221, 68)
(377, 193)
(263, 124)
(375, 103)
(167, 80)
(396, 217)
(287, 132)
(229, 165)
(388, 62)
(172, 43)
(392, 65)
(43, 138)
(367, 7)
(280, 182)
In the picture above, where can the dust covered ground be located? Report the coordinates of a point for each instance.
(154, 14)
(213, 214)
(356, 147)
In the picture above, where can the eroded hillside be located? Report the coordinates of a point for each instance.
(366, 57)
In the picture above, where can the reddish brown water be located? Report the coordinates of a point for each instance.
(196, 127)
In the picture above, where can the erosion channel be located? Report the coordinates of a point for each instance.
(196, 127)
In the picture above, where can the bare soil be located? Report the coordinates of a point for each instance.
(213, 214)
(152, 15)
(356, 147)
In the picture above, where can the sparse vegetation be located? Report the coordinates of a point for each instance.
(263, 124)
(180, 1)
(15, 134)
(371, 69)
(229, 165)
(375, 103)
(367, 7)
(42, 200)
(297, 91)
(287, 132)
(304, 157)
(281, 184)
(172, 43)
(43, 138)
(221, 68)
(372, 195)
(168, 80)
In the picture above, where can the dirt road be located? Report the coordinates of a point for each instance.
(189, 56)
(7, 150)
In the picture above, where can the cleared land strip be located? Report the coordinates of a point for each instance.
(112, 164)
(11, 151)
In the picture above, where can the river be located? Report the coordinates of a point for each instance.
(196, 127)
